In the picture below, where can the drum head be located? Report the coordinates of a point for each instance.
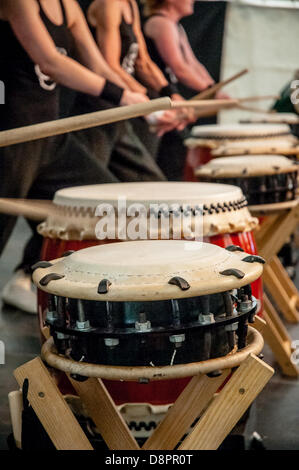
(243, 167)
(148, 271)
(277, 118)
(236, 131)
(76, 218)
(147, 193)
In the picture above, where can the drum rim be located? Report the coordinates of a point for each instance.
(129, 286)
(262, 209)
(230, 131)
(208, 170)
(136, 373)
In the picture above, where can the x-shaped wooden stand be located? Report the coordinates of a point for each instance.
(274, 231)
(218, 414)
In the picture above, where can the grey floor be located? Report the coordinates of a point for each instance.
(275, 414)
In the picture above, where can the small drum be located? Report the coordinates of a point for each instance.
(273, 118)
(149, 303)
(225, 221)
(207, 142)
(264, 179)
(291, 119)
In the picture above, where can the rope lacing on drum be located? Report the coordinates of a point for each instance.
(181, 210)
(240, 137)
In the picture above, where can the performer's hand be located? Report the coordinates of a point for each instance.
(184, 115)
(130, 97)
(220, 95)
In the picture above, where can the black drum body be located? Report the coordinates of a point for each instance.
(157, 333)
(266, 189)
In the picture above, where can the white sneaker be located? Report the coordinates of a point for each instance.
(20, 292)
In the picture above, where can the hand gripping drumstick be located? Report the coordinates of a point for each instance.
(84, 121)
(210, 92)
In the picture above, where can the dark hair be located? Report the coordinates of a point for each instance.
(150, 6)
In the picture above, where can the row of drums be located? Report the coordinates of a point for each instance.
(183, 293)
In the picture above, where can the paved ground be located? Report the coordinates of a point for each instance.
(275, 414)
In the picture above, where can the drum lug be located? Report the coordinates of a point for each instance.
(180, 282)
(82, 324)
(206, 319)
(143, 324)
(103, 287)
(67, 253)
(254, 259)
(111, 343)
(52, 314)
(233, 272)
(232, 327)
(50, 277)
(177, 340)
(41, 265)
(234, 248)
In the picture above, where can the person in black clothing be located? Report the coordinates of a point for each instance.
(170, 49)
(117, 30)
(36, 38)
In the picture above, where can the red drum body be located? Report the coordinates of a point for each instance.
(162, 392)
(246, 241)
(195, 157)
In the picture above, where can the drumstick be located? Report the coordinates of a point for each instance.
(237, 102)
(33, 209)
(209, 92)
(84, 121)
(204, 104)
(258, 98)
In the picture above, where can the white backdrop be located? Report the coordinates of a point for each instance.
(266, 41)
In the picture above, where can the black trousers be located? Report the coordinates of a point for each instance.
(36, 170)
(120, 150)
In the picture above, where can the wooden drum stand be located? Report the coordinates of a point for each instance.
(218, 413)
(278, 223)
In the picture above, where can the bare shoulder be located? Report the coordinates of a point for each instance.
(9, 9)
(157, 25)
(101, 11)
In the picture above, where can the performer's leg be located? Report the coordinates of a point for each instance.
(130, 160)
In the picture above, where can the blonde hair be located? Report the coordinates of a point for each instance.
(150, 6)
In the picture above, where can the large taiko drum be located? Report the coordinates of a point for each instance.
(264, 179)
(210, 141)
(219, 210)
(149, 303)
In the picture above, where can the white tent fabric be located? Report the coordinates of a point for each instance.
(264, 40)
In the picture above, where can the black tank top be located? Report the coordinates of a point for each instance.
(156, 57)
(30, 96)
(129, 45)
